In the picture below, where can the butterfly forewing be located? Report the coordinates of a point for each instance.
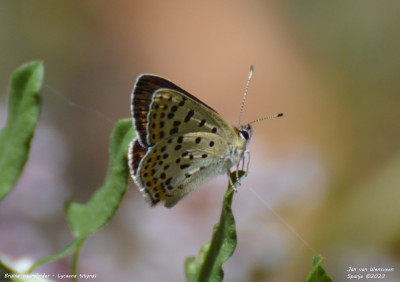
(160, 109)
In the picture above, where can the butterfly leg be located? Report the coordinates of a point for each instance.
(243, 161)
(247, 158)
(229, 176)
(242, 168)
(237, 175)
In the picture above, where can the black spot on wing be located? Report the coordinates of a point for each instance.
(189, 116)
(183, 166)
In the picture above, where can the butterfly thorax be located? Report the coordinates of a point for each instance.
(238, 147)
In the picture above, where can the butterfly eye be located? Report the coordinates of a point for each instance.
(244, 134)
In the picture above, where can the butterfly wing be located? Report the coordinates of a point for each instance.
(181, 141)
(176, 165)
(161, 109)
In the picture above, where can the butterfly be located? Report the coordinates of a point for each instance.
(181, 141)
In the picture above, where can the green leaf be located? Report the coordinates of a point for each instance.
(318, 274)
(23, 115)
(88, 218)
(208, 266)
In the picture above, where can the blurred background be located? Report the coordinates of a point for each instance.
(324, 178)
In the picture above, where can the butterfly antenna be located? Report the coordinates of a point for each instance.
(265, 118)
(245, 93)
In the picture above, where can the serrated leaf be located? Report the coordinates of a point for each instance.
(208, 266)
(23, 115)
(318, 274)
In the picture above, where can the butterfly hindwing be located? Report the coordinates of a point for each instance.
(135, 153)
(175, 166)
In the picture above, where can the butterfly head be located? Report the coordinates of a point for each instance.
(245, 132)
